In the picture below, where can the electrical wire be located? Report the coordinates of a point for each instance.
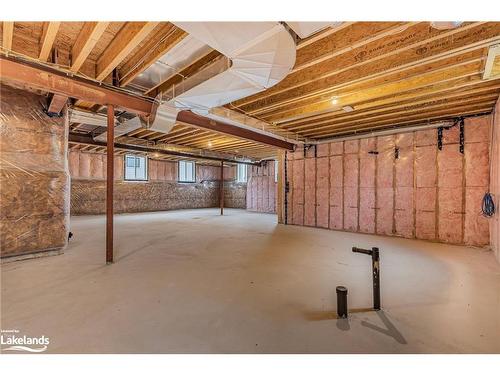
(488, 206)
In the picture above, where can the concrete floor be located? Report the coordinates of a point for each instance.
(194, 282)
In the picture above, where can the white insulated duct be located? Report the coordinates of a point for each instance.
(257, 55)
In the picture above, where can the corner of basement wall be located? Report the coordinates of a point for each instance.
(495, 181)
(34, 175)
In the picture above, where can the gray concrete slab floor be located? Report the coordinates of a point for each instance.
(192, 281)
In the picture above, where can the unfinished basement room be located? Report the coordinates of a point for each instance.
(250, 187)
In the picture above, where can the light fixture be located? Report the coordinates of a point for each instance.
(348, 108)
(334, 100)
(209, 143)
(446, 25)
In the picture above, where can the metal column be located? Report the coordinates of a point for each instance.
(109, 184)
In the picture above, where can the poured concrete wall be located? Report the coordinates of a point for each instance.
(261, 188)
(160, 193)
(34, 179)
(425, 193)
(495, 182)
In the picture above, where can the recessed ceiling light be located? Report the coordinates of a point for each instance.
(209, 143)
(335, 100)
(446, 25)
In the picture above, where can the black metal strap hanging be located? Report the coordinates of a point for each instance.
(440, 138)
(462, 137)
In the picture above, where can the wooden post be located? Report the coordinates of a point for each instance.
(109, 183)
(221, 188)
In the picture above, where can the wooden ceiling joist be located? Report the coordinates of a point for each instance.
(85, 43)
(165, 39)
(49, 34)
(7, 35)
(359, 63)
(124, 42)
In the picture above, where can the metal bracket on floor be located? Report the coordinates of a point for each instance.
(374, 253)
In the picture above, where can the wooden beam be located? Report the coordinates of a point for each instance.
(85, 43)
(37, 76)
(110, 180)
(129, 37)
(163, 41)
(7, 35)
(191, 118)
(49, 34)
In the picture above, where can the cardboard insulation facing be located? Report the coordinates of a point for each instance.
(34, 208)
(396, 185)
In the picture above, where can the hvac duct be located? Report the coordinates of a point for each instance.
(257, 55)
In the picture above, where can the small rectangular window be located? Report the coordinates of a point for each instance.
(187, 171)
(276, 171)
(136, 168)
(241, 173)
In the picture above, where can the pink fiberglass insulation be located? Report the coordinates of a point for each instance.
(323, 150)
(310, 192)
(298, 192)
(404, 179)
(409, 189)
(153, 170)
(385, 188)
(351, 171)
(450, 191)
(322, 192)
(73, 162)
(336, 191)
(367, 162)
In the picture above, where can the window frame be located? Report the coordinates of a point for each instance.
(193, 163)
(146, 168)
(238, 166)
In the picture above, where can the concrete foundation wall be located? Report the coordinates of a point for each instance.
(161, 192)
(34, 179)
(398, 185)
(495, 182)
(261, 189)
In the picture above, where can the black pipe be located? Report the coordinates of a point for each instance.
(375, 254)
(342, 302)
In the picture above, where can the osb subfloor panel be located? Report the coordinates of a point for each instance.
(192, 281)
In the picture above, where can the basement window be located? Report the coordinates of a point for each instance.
(241, 173)
(136, 168)
(187, 171)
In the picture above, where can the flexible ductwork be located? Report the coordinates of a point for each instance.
(257, 55)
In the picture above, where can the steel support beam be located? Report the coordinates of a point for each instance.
(191, 118)
(110, 179)
(46, 78)
(88, 140)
